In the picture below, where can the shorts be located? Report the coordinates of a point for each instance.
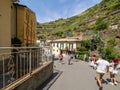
(99, 75)
(112, 75)
(60, 59)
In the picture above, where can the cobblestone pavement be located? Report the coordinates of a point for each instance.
(79, 76)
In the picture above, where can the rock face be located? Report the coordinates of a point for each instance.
(111, 33)
(107, 34)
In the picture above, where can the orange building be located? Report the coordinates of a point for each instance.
(24, 27)
(16, 21)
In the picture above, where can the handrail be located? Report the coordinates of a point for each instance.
(16, 62)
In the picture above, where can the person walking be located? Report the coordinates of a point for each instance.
(114, 67)
(60, 57)
(93, 60)
(70, 57)
(102, 68)
(84, 58)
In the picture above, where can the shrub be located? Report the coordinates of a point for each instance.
(100, 24)
(111, 41)
(81, 49)
(16, 41)
(86, 44)
(109, 52)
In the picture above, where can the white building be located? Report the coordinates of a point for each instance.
(65, 45)
(114, 26)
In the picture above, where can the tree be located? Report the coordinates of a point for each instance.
(86, 44)
(96, 42)
(42, 36)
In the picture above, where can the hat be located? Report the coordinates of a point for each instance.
(103, 57)
(116, 60)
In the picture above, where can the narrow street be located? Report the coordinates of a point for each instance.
(79, 76)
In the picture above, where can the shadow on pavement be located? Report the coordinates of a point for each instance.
(56, 59)
(105, 81)
(48, 83)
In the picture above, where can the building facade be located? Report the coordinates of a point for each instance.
(24, 27)
(65, 45)
(16, 21)
(5, 22)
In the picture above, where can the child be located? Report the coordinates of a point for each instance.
(60, 57)
(93, 60)
(114, 71)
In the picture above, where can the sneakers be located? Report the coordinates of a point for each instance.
(95, 78)
(115, 83)
(111, 83)
(100, 88)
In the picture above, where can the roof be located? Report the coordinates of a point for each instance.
(68, 40)
(15, 0)
(24, 6)
(17, 4)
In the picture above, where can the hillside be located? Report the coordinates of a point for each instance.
(100, 17)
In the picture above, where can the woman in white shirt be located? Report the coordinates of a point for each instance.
(114, 71)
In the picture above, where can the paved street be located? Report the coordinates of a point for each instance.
(79, 76)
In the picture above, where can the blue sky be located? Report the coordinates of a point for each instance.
(50, 10)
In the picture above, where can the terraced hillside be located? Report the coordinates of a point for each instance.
(102, 16)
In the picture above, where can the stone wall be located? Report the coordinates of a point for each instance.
(35, 79)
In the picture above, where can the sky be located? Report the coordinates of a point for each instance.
(51, 10)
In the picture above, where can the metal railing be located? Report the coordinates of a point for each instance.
(16, 62)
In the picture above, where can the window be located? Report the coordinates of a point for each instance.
(57, 44)
(53, 44)
(62, 46)
(71, 46)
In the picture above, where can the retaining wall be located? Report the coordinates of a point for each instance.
(34, 79)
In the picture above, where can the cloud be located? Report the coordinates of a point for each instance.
(79, 8)
(66, 11)
(96, 1)
(45, 19)
(26, 2)
(82, 6)
(49, 16)
(54, 15)
(46, 11)
(75, 8)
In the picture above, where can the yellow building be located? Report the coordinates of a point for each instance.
(16, 21)
(24, 26)
(5, 22)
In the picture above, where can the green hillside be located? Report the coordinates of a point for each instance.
(96, 18)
